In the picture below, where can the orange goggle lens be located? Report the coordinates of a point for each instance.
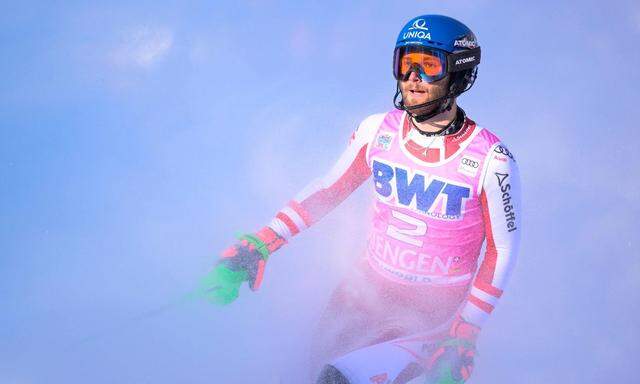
(429, 64)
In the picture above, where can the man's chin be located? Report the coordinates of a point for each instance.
(422, 110)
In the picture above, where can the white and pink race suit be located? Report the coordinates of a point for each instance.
(437, 198)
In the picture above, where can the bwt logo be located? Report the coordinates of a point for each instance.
(407, 191)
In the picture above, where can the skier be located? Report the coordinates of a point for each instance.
(414, 305)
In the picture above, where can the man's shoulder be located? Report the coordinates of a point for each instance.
(491, 141)
(373, 121)
(495, 145)
(370, 124)
(490, 138)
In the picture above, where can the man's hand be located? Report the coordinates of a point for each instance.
(244, 261)
(452, 362)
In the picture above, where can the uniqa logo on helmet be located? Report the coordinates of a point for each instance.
(418, 30)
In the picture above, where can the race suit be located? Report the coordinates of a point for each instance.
(437, 198)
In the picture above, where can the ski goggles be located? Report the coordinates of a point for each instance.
(431, 64)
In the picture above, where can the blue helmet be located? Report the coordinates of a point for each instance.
(448, 42)
(437, 31)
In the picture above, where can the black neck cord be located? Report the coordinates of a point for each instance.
(453, 127)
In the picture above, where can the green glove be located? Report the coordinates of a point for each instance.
(244, 261)
(221, 285)
(452, 361)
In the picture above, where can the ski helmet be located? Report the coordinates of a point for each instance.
(435, 46)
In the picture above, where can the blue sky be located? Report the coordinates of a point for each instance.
(136, 140)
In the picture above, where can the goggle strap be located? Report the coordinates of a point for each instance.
(460, 61)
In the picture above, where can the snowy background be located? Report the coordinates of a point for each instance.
(136, 140)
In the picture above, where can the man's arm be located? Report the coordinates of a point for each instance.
(502, 214)
(246, 260)
(324, 194)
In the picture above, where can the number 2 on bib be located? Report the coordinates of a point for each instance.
(407, 235)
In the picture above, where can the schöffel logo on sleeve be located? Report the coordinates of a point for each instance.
(507, 206)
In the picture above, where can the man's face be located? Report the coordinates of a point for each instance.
(416, 92)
